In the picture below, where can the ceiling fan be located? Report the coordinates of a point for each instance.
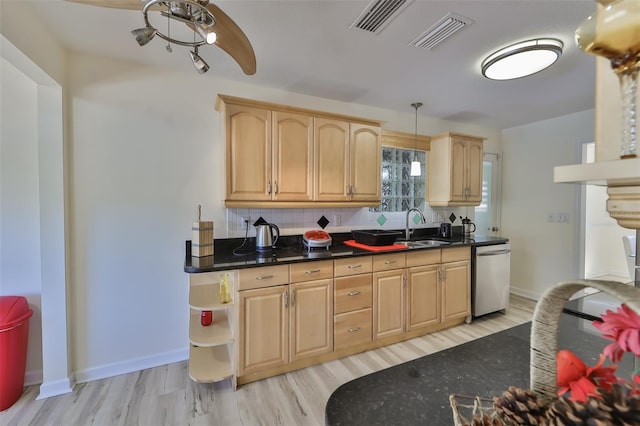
(205, 19)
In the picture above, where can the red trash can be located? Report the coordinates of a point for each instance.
(14, 332)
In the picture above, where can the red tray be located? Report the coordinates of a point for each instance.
(396, 246)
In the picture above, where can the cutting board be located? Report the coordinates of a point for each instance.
(396, 246)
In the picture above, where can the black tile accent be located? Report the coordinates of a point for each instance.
(323, 222)
(452, 217)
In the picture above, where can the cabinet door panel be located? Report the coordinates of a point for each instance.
(292, 156)
(474, 152)
(352, 293)
(365, 162)
(311, 318)
(423, 297)
(388, 303)
(264, 329)
(456, 300)
(248, 153)
(458, 172)
(331, 146)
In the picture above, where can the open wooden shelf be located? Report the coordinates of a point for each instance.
(218, 333)
(209, 364)
(206, 297)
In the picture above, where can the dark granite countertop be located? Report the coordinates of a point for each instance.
(290, 249)
(417, 392)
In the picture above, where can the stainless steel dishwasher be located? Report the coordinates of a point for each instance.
(491, 280)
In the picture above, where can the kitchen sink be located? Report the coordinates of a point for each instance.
(423, 243)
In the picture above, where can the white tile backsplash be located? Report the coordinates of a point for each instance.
(297, 221)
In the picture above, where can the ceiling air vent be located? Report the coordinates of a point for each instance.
(441, 30)
(378, 14)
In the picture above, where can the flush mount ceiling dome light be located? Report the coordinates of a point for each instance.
(522, 59)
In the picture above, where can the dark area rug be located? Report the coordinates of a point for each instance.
(417, 392)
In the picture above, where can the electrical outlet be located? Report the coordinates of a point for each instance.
(563, 217)
(244, 221)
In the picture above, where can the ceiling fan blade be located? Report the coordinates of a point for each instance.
(114, 4)
(232, 40)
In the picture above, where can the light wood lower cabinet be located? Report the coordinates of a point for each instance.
(284, 323)
(389, 304)
(292, 316)
(423, 296)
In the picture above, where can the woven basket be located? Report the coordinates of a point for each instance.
(544, 342)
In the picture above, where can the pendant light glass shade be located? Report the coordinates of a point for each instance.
(415, 164)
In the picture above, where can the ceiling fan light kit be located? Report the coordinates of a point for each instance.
(522, 59)
(194, 14)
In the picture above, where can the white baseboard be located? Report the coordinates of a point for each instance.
(55, 388)
(525, 293)
(130, 366)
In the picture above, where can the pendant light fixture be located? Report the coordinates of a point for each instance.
(415, 164)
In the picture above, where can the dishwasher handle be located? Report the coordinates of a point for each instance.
(494, 253)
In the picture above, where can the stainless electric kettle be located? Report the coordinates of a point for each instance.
(265, 239)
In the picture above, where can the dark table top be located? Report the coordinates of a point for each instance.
(290, 249)
(417, 392)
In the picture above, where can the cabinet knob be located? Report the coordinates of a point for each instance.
(354, 266)
(264, 277)
(312, 271)
(354, 329)
(353, 293)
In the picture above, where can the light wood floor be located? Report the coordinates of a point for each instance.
(166, 396)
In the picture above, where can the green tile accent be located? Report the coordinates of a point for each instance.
(416, 218)
(381, 220)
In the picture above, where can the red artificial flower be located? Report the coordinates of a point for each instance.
(623, 327)
(574, 376)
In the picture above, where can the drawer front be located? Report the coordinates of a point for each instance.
(265, 276)
(386, 262)
(352, 293)
(352, 266)
(352, 329)
(423, 257)
(456, 254)
(309, 271)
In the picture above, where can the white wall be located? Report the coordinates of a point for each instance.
(543, 253)
(19, 202)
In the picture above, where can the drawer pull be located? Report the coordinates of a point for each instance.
(264, 277)
(353, 293)
(352, 330)
(390, 262)
(313, 271)
(354, 266)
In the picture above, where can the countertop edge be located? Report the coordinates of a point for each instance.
(339, 251)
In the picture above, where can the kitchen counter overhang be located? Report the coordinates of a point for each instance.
(292, 250)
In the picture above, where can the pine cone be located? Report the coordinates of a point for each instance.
(615, 407)
(520, 407)
(486, 420)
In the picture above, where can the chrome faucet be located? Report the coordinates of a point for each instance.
(407, 231)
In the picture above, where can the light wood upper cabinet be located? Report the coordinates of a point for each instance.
(292, 177)
(455, 170)
(282, 156)
(248, 153)
(365, 157)
(331, 145)
(347, 164)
